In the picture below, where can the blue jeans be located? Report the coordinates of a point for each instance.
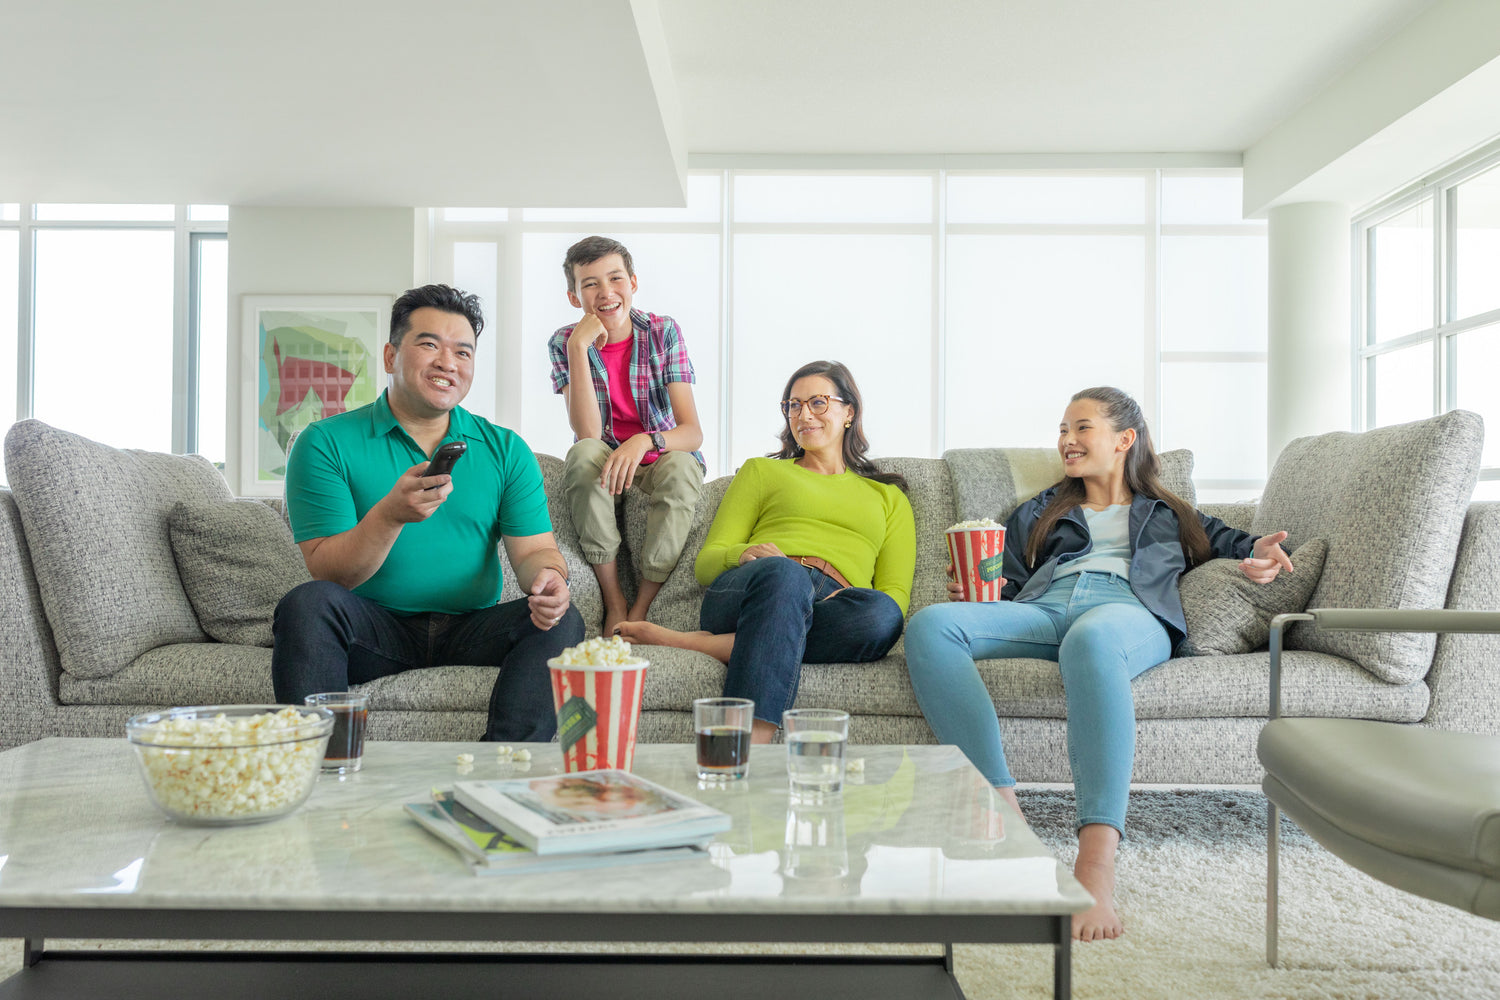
(782, 616)
(327, 637)
(1101, 637)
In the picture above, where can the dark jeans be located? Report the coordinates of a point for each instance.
(777, 610)
(328, 638)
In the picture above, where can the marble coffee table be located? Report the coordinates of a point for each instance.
(916, 849)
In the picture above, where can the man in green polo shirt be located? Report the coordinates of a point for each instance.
(406, 568)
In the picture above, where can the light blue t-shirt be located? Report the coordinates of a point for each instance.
(1110, 530)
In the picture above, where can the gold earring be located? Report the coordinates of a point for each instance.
(848, 423)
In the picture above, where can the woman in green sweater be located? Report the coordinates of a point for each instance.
(809, 558)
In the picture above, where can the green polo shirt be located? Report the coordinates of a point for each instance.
(343, 465)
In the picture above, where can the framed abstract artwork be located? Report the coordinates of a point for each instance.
(313, 356)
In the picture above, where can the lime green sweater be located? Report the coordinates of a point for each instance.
(864, 528)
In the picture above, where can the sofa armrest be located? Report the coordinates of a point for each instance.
(1374, 620)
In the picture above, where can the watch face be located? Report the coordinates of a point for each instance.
(658, 441)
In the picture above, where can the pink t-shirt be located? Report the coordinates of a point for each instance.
(624, 418)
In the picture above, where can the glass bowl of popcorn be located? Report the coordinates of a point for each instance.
(220, 765)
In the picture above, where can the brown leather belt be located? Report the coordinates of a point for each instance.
(822, 566)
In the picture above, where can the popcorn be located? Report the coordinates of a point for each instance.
(522, 755)
(855, 765)
(465, 758)
(983, 522)
(504, 751)
(221, 767)
(599, 652)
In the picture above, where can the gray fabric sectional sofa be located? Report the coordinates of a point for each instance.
(130, 581)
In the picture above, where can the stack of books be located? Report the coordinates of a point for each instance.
(582, 820)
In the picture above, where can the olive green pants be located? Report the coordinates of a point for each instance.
(673, 482)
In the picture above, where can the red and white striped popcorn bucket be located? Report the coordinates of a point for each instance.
(978, 555)
(598, 709)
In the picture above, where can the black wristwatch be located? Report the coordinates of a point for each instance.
(658, 441)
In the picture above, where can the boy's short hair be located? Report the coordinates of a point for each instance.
(590, 249)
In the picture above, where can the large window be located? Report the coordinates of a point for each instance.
(113, 322)
(969, 304)
(1429, 304)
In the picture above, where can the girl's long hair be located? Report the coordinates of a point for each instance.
(855, 443)
(1142, 476)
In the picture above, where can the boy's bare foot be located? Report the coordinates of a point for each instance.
(1099, 922)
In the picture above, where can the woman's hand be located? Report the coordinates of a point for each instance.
(956, 589)
(1267, 559)
(762, 551)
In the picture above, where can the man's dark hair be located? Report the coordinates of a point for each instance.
(590, 249)
(443, 297)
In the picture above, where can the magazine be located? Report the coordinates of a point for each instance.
(605, 810)
(487, 851)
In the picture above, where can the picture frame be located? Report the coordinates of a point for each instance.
(311, 356)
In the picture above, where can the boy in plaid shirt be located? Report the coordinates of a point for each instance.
(628, 385)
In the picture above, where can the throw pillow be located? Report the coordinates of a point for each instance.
(237, 560)
(1391, 503)
(1227, 613)
(96, 524)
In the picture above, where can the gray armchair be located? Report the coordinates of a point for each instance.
(1415, 807)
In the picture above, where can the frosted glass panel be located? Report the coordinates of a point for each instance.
(1225, 430)
(1033, 319)
(9, 265)
(703, 205)
(839, 198)
(475, 270)
(1213, 293)
(213, 346)
(106, 213)
(862, 300)
(104, 335)
(1206, 201)
(1402, 384)
(1401, 272)
(1099, 200)
(678, 277)
(1477, 355)
(1478, 262)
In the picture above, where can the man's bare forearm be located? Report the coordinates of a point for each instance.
(352, 557)
(535, 562)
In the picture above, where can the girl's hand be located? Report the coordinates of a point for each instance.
(1267, 560)
(956, 589)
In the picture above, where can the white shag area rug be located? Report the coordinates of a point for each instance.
(1192, 895)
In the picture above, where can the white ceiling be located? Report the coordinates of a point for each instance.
(601, 102)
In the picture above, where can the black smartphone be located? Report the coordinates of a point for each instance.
(443, 459)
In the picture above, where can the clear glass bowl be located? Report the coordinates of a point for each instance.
(220, 765)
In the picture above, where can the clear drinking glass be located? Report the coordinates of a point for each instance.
(815, 740)
(722, 726)
(346, 746)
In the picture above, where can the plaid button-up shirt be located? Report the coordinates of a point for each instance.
(660, 357)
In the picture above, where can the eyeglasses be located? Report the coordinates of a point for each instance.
(817, 404)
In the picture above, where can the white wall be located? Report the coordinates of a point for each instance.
(301, 251)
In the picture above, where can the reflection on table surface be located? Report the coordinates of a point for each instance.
(918, 829)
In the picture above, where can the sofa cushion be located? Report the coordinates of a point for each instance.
(582, 583)
(96, 523)
(1227, 613)
(993, 482)
(1391, 504)
(237, 560)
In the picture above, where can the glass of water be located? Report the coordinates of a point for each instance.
(815, 740)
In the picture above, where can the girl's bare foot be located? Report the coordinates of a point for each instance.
(1095, 869)
(652, 634)
(612, 617)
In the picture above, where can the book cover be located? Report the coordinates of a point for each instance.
(510, 857)
(604, 810)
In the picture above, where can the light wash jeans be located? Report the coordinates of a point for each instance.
(1101, 637)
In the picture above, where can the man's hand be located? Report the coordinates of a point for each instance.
(762, 551)
(549, 598)
(411, 500)
(956, 589)
(619, 469)
(589, 330)
(1267, 559)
